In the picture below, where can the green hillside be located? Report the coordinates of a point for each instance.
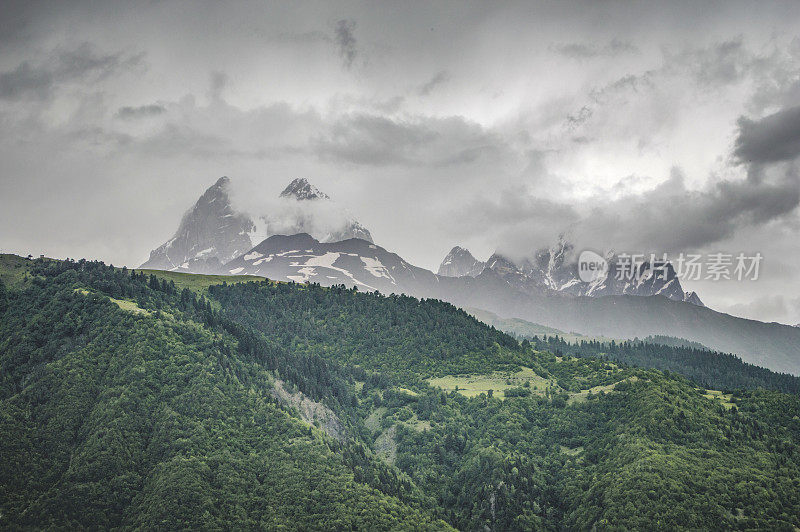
(152, 401)
(199, 282)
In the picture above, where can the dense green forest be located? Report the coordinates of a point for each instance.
(128, 401)
(707, 368)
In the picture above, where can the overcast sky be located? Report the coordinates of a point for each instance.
(495, 126)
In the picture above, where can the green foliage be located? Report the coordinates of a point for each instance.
(398, 335)
(709, 369)
(115, 419)
(163, 413)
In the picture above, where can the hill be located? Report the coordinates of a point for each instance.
(356, 262)
(267, 405)
(704, 366)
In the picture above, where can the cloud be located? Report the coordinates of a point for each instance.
(672, 218)
(587, 51)
(772, 139)
(37, 81)
(346, 42)
(219, 80)
(722, 62)
(770, 307)
(142, 111)
(440, 78)
(518, 223)
(668, 218)
(376, 140)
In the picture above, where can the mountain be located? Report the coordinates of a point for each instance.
(303, 259)
(311, 211)
(301, 189)
(214, 232)
(167, 401)
(504, 289)
(209, 234)
(460, 262)
(543, 290)
(556, 269)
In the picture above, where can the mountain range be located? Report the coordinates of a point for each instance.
(213, 232)
(556, 269)
(544, 289)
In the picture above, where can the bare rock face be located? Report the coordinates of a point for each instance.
(459, 263)
(310, 411)
(209, 234)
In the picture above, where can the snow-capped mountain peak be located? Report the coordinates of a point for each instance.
(210, 233)
(214, 231)
(555, 270)
(301, 189)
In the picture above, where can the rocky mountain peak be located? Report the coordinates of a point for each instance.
(301, 189)
(213, 231)
(459, 263)
(210, 233)
(555, 269)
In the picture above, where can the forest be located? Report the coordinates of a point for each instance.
(706, 367)
(130, 401)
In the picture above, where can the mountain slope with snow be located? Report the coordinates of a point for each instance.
(213, 232)
(555, 269)
(543, 290)
(354, 262)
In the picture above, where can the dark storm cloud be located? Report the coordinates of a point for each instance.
(30, 80)
(346, 41)
(15, 22)
(771, 139)
(18, 19)
(587, 51)
(669, 218)
(441, 77)
(141, 111)
(672, 218)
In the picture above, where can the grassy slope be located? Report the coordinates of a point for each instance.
(13, 269)
(199, 282)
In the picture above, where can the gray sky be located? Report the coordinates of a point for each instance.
(632, 126)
